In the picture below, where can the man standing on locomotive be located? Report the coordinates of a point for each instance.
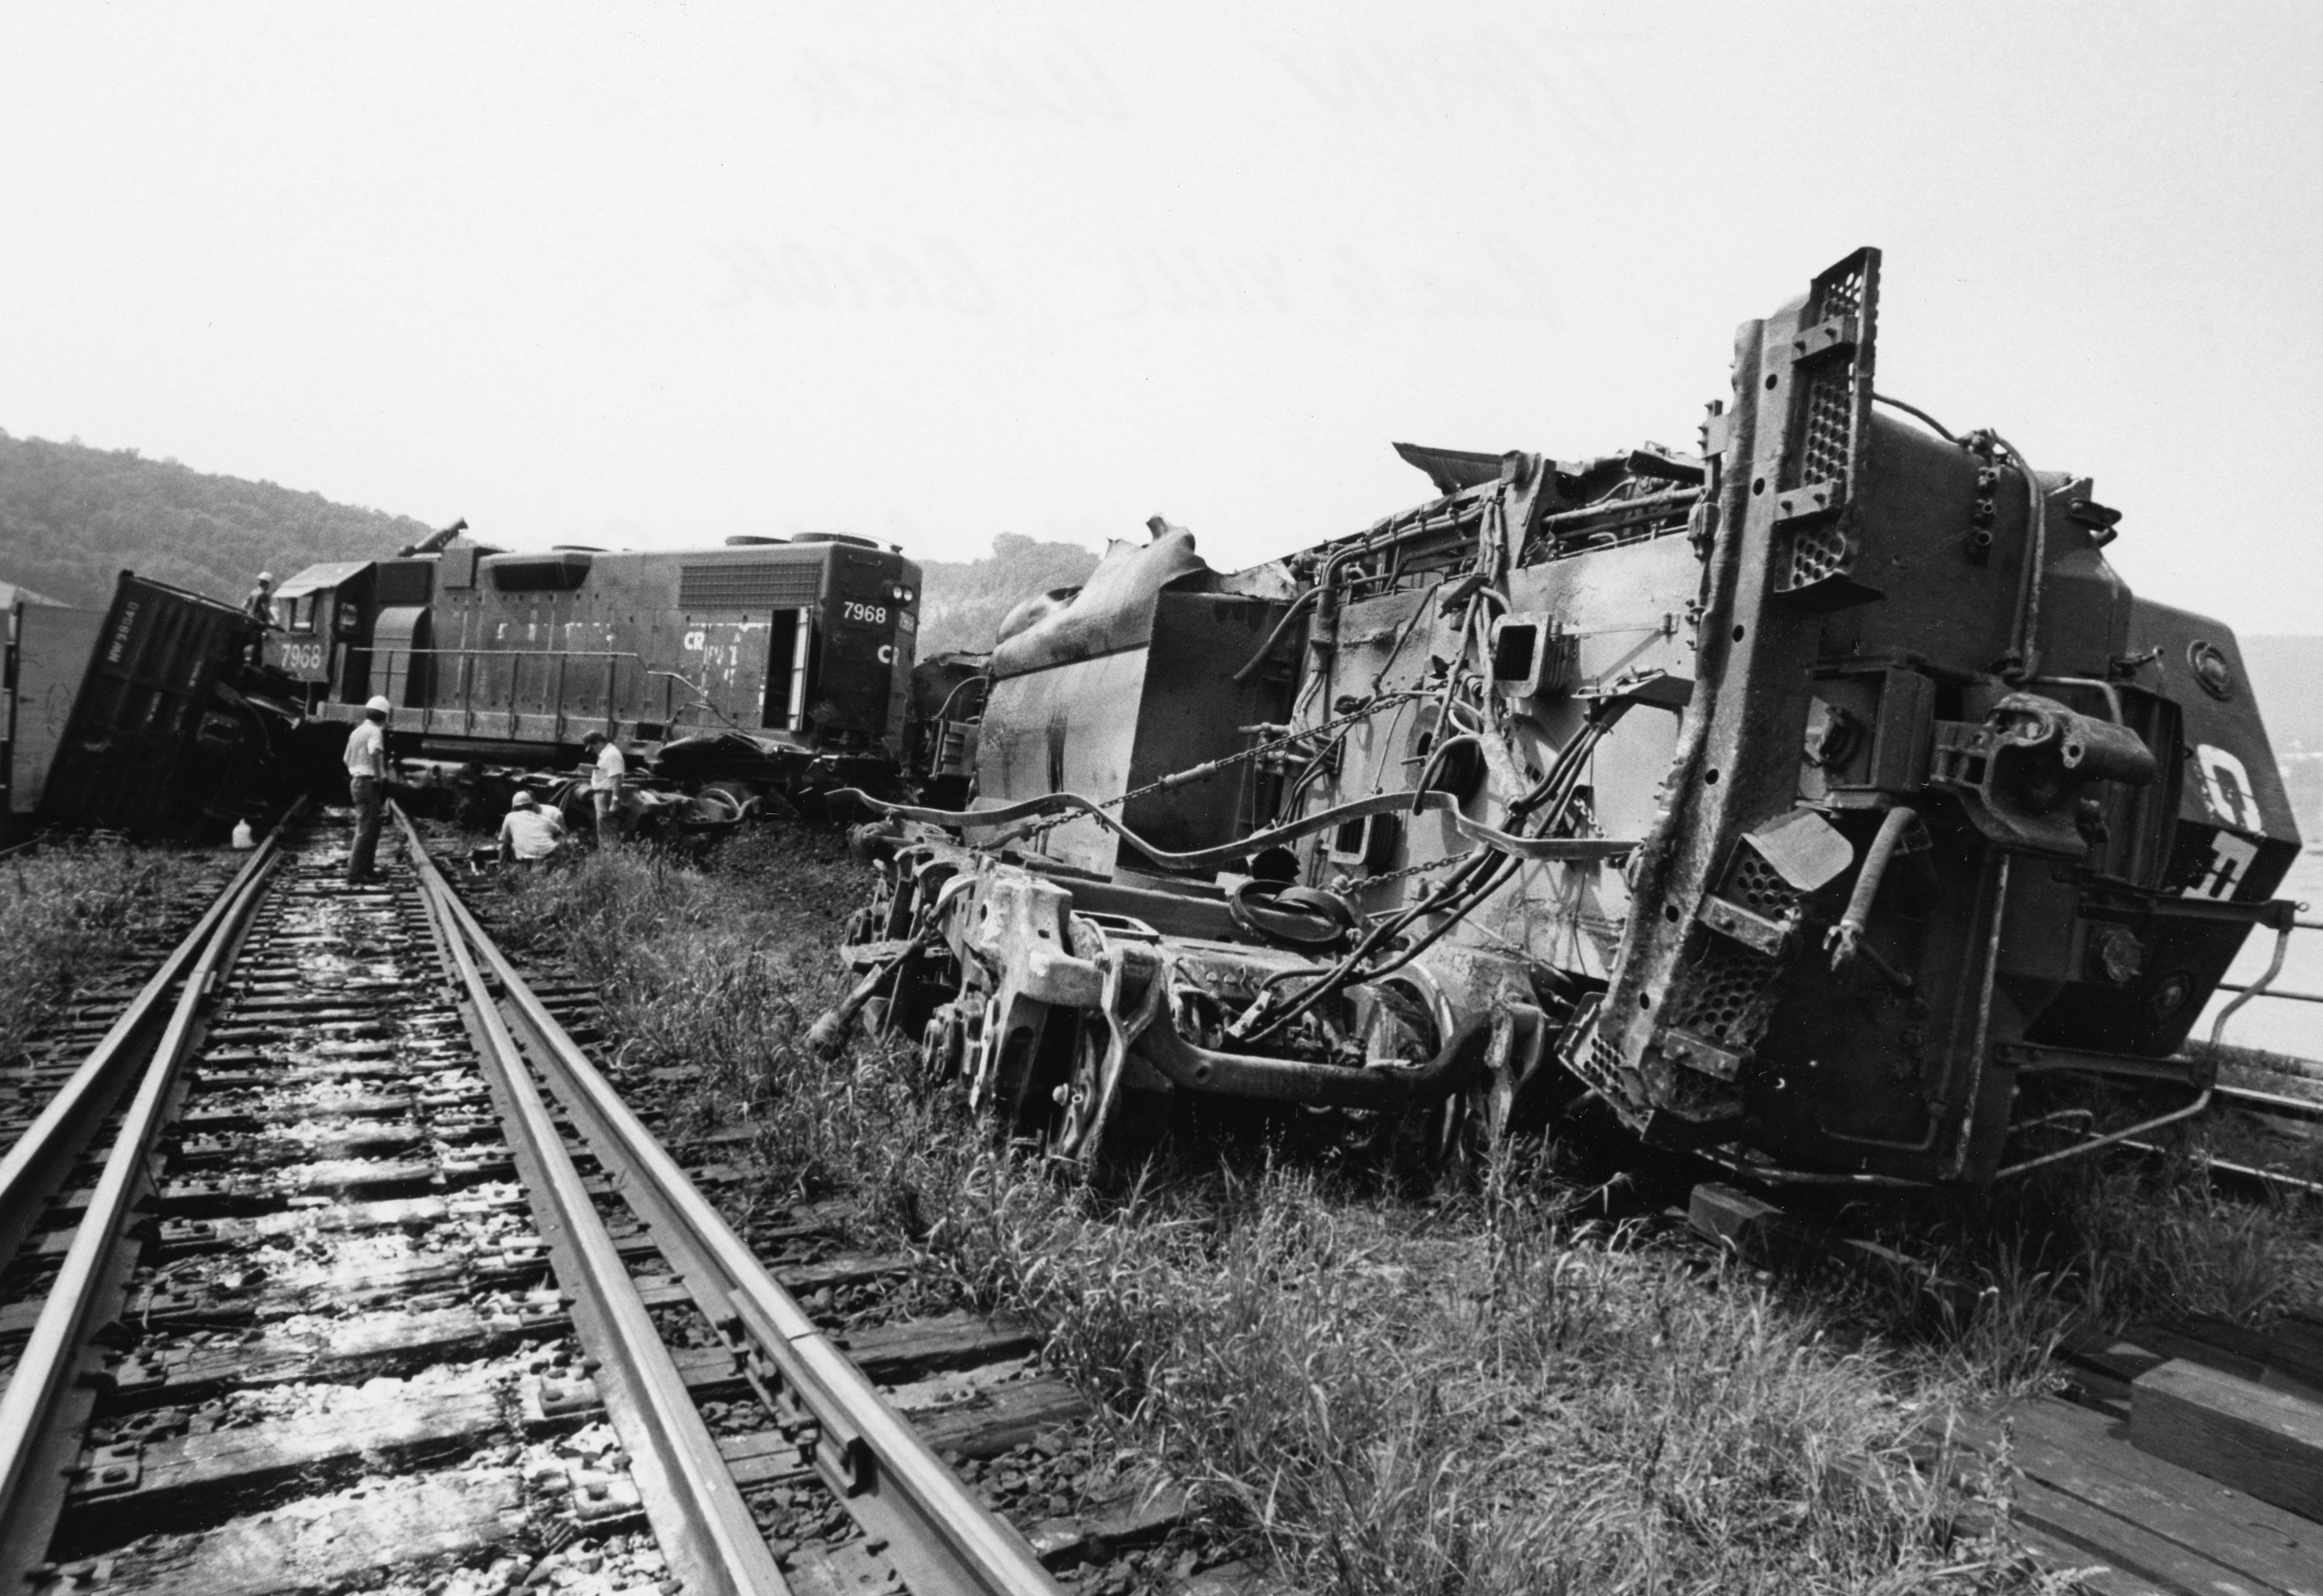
(367, 781)
(605, 785)
(261, 602)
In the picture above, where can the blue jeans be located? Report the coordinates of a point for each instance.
(368, 799)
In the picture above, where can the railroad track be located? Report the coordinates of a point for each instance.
(337, 1265)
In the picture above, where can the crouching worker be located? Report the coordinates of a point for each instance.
(530, 833)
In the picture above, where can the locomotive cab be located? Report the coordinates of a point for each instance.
(322, 629)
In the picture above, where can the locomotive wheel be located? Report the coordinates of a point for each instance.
(943, 1044)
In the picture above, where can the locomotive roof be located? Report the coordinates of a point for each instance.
(322, 576)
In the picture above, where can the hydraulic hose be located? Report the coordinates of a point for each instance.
(1299, 607)
(1847, 937)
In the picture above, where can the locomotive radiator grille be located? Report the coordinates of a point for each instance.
(754, 585)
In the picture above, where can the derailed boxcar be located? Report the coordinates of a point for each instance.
(173, 723)
(1823, 802)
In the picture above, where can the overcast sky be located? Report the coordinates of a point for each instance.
(655, 275)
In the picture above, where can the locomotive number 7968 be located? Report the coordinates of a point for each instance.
(875, 614)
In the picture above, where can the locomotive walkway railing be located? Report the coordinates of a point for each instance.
(619, 682)
(2264, 987)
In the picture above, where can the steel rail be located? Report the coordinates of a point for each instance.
(41, 1157)
(698, 1514)
(2286, 993)
(2273, 1103)
(2248, 1174)
(93, 1267)
(940, 1538)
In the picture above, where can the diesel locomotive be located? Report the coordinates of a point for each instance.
(1820, 801)
(765, 664)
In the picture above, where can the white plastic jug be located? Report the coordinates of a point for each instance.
(243, 837)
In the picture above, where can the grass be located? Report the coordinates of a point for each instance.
(69, 913)
(1492, 1394)
(2087, 1249)
(1489, 1396)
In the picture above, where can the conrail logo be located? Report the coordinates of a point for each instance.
(2226, 788)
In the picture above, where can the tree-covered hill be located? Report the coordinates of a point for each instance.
(72, 517)
(963, 601)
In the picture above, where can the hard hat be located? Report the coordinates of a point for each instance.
(522, 800)
(378, 704)
(267, 577)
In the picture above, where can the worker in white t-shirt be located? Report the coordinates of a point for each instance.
(605, 784)
(530, 833)
(366, 758)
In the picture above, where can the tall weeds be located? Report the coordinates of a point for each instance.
(67, 914)
(693, 974)
(2087, 1247)
(1506, 1401)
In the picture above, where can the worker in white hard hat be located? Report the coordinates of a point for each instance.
(261, 602)
(367, 782)
(608, 766)
(531, 834)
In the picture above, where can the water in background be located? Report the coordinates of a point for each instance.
(2277, 1025)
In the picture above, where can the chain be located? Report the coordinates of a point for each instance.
(1363, 882)
(1228, 762)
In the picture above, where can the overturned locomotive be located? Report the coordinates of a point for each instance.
(1822, 802)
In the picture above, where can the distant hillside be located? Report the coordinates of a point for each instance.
(71, 518)
(963, 601)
